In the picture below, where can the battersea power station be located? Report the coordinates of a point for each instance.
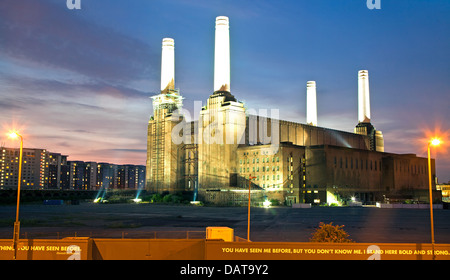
(231, 150)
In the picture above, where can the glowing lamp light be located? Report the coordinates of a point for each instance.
(13, 135)
(267, 204)
(435, 142)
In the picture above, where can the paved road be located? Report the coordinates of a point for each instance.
(365, 225)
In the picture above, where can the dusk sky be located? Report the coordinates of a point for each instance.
(79, 82)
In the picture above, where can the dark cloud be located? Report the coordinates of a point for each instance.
(67, 88)
(49, 34)
(6, 104)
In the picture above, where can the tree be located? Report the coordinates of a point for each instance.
(330, 233)
(156, 198)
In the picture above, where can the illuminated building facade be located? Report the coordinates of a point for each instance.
(44, 170)
(34, 168)
(113, 176)
(163, 166)
(289, 162)
(131, 177)
(82, 175)
(58, 172)
(445, 191)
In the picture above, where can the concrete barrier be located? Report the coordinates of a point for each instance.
(47, 249)
(201, 249)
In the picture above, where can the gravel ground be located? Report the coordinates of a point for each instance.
(364, 225)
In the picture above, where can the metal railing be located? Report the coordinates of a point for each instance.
(111, 234)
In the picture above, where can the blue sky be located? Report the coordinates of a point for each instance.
(78, 82)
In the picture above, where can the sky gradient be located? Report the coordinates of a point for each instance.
(78, 82)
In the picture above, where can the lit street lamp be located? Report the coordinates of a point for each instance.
(434, 142)
(248, 221)
(14, 135)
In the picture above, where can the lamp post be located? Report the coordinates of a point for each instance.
(248, 221)
(433, 142)
(19, 179)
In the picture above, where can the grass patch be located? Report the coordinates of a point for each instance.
(23, 222)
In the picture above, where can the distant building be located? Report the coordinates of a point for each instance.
(82, 175)
(58, 172)
(289, 162)
(130, 177)
(445, 191)
(106, 176)
(34, 168)
(47, 170)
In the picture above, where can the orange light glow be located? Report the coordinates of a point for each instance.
(435, 137)
(13, 135)
(435, 142)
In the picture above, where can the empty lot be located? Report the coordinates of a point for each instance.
(366, 225)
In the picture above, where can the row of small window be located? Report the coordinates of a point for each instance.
(266, 177)
(273, 186)
(256, 169)
(369, 164)
(414, 169)
(256, 160)
(255, 153)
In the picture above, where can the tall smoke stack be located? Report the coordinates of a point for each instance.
(364, 127)
(363, 97)
(168, 65)
(311, 103)
(222, 55)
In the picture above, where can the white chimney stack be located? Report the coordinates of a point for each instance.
(168, 65)
(363, 97)
(311, 103)
(222, 55)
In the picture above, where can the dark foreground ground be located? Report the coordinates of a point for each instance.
(365, 225)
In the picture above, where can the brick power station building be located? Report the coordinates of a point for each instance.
(231, 148)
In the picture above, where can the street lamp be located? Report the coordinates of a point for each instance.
(248, 221)
(15, 135)
(434, 142)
